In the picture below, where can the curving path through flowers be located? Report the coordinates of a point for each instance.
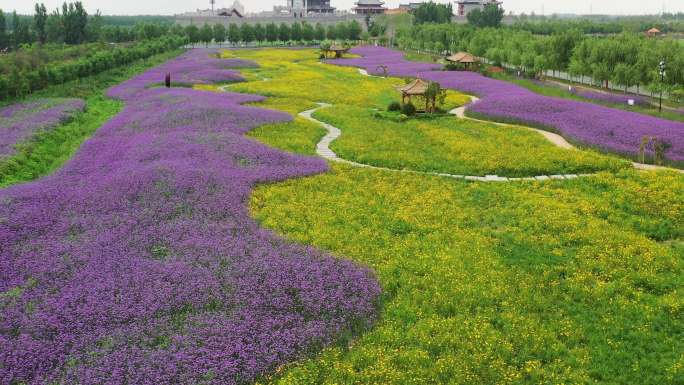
(610, 129)
(323, 149)
(555, 139)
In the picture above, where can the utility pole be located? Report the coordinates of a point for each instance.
(212, 2)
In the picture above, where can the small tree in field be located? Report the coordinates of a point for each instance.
(434, 95)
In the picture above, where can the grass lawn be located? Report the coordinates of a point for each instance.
(453, 146)
(48, 150)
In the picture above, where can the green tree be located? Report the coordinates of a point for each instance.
(54, 28)
(354, 30)
(39, 22)
(20, 31)
(246, 33)
(491, 16)
(332, 32)
(75, 21)
(206, 34)
(4, 38)
(220, 33)
(342, 31)
(319, 32)
(192, 32)
(296, 32)
(259, 32)
(233, 33)
(94, 28)
(283, 32)
(308, 32)
(272, 32)
(433, 13)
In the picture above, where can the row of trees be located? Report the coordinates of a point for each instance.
(272, 32)
(17, 83)
(627, 59)
(70, 25)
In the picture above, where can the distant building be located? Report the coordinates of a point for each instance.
(464, 7)
(369, 7)
(310, 6)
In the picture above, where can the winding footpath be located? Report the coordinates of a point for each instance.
(323, 150)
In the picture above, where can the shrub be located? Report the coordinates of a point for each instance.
(408, 109)
(394, 106)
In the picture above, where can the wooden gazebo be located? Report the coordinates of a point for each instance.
(337, 50)
(653, 32)
(418, 87)
(463, 58)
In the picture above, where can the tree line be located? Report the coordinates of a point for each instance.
(17, 83)
(627, 59)
(297, 32)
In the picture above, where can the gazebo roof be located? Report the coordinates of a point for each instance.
(462, 57)
(337, 48)
(654, 30)
(416, 87)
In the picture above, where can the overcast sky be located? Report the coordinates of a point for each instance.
(169, 7)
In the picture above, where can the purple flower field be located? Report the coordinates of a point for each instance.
(373, 57)
(138, 262)
(611, 97)
(199, 66)
(20, 121)
(593, 125)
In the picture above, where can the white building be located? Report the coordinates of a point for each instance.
(464, 7)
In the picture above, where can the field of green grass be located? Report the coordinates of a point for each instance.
(560, 282)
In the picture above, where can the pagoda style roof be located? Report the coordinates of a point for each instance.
(416, 87)
(462, 57)
(337, 48)
(370, 3)
(654, 30)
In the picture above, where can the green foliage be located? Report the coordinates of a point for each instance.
(40, 21)
(18, 84)
(220, 33)
(431, 12)
(206, 34)
(394, 106)
(4, 37)
(354, 30)
(491, 16)
(284, 32)
(408, 109)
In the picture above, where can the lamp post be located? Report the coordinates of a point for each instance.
(661, 71)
